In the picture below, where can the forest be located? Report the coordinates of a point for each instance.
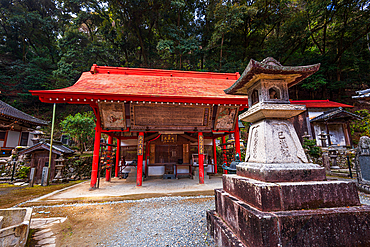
(47, 44)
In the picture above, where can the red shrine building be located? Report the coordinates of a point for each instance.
(171, 117)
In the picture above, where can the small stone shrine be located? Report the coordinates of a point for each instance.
(363, 162)
(278, 198)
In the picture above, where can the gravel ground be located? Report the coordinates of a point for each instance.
(166, 221)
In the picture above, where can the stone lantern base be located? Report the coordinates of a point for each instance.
(321, 213)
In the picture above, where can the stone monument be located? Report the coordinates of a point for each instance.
(363, 163)
(278, 198)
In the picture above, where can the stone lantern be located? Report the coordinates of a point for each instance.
(277, 197)
(59, 164)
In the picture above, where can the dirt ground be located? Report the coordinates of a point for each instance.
(11, 195)
(85, 225)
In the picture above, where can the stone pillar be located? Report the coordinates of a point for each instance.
(96, 156)
(201, 157)
(109, 170)
(118, 157)
(140, 153)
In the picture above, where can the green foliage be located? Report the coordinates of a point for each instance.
(23, 172)
(48, 44)
(361, 127)
(311, 148)
(81, 128)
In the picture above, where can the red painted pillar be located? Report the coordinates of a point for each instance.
(107, 171)
(215, 155)
(224, 151)
(95, 163)
(237, 139)
(118, 156)
(140, 153)
(200, 157)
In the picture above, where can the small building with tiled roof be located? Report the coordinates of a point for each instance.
(16, 128)
(39, 156)
(325, 116)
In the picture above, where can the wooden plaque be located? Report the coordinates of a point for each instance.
(201, 145)
(112, 116)
(170, 117)
(140, 145)
(226, 117)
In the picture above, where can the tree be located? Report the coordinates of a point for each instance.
(81, 128)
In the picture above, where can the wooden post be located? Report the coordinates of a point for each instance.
(237, 139)
(327, 132)
(200, 157)
(140, 152)
(224, 151)
(215, 155)
(95, 163)
(108, 170)
(118, 157)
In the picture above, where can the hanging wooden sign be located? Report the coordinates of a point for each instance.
(166, 138)
(201, 144)
(140, 145)
(170, 117)
(226, 118)
(112, 115)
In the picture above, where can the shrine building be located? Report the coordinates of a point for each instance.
(163, 117)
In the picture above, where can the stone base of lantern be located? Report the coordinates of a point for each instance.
(317, 213)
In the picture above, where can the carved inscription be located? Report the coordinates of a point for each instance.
(140, 145)
(283, 144)
(170, 117)
(201, 145)
(255, 143)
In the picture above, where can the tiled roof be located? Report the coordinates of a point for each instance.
(319, 103)
(59, 148)
(363, 94)
(338, 113)
(270, 68)
(118, 83)
(10, 112)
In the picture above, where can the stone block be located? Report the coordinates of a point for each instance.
(220, 232)
(332, 227)
(293, 172)
(253, 227)
(291, 196)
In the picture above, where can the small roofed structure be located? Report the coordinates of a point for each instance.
(161, 117)
(16, 127)
(363, 96)
(335, 123)
(39, 156)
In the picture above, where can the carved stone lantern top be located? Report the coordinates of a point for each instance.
(266, 83)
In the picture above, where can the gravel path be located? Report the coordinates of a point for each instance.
(166, 221)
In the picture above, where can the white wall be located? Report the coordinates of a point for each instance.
(1, 143)
(30, 143)
(13, 139)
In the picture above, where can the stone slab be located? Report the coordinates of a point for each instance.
(277, 111)
(332, 227)
(291, 196)
(221, 233)
(291, 172)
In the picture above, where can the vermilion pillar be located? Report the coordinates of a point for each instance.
(108, 171)
(215, 155)
(140, 153)
(224, 152)
(118, 156)
(95, 163)
(200, 157)
(237, 139)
